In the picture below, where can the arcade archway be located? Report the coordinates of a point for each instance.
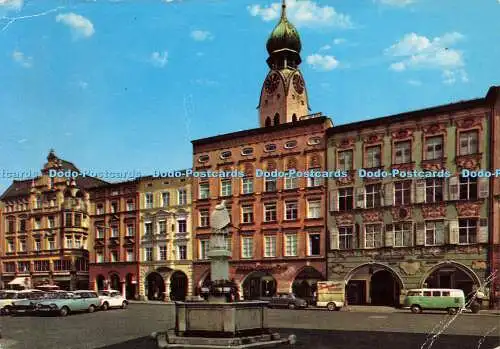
(259, 284)
(452, 275)
(178, 286)
(305, 283)
(100, 281)
(130, 286)
(114, 282)
(155, 286)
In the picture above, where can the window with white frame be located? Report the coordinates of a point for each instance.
(469, 142)
(345, 238)
(291, 210)
(162, 227)
(247, 185)
(270, 184)
(372, 195)
(162, 253)
(130, 205)
(148, 254)
(402, 193)
(247, 247)
(165, 199)
(203, 190)
(270, 212)
(50, 221)
(433, 190)
(99, 209)
(290, 245)
(373, 156)
(129, 255)
(345, 160)
(467, 231)
(78, 242)
(315, 179)
(247, 214)
(69, 241)
(113, 256)
(374, 237)
(148, 228)
(114, 232)
(314, 209)
(148, 200)
(434, 148)
(182, 252)
(226, 187)
(204, 246)
(403, 235)
(22, 245)
(204, 217)
(228, 242)
(130, 230)
(182, 196)
(51, 243)
(291, 181)
(346, 199)
(402, 152)
(99, 232)
(468, 188)
(434, 233)
(10, 246)
(99, 257)
(181, 225)
(314, 246)
(269, 246)
(38, 223)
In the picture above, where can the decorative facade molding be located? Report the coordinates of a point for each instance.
(402, 134)
(401, 213)
(470, 162)
(372, 216)
(468, 209)
(346, 143)
(374, 138)
(434, 129)
(434, 211)
(433, 165)
(410, 267)
(468, 123)
(344, 219)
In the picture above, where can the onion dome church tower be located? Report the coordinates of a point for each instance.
(283, 97)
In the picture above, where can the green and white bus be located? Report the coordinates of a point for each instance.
(450, 300)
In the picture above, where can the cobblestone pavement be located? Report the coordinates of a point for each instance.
(130, 329)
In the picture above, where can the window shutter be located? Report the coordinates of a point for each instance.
(389, 235)
(482, 234)
(360, 197)
(334, 202)
(412, 191)
(453, 193)
(334, 242)
(420, 233)
(439, 233)
(389, 194)
(445, 189)
(483, 187)
(381, 194)
(419, 191)
(453, 232)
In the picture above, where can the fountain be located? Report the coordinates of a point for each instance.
(220, 322)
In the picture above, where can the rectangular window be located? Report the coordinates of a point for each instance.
(269, 246)
(100, 209)
(38, 223)
(402, 152)
(69, 219)
(315, 180)
(38, 202)
(228, 242)
(11, 226)
(163, 253)
(345, 160)
(246, 247)
(226, 187)
(23, 267)
(434, 148)
(372, 195)
(373, 236)
(314, 244)
(182, 252)
(203, 191)
(434, 233)
(130, 255)
(22, 225)
(9, 267)
(114, 232)
(290, 245)
(291, 210)
(270, 184)
(165, 199)
(247, 185)
(162, 227)
(373, 156)
(113, 256)
(51, 243)
(114, 207)
(148, 254)
(182, 196)
(181, 226)
(468, 188)
(99, 232)
(51, 222)
(346, 199)
(148, 200)
(403, 235)
(270, 212)
(433, 190)
(11, 246)
(99, 257)
(204, 218)
(468, 142)
(247, 214)
(130, 230)
(22, 245)
(69, 241)
(467, 229)
(148, 228)
(345, 238)
(291, 182)
(402, 193)
(130, 205)
(78, 242)
(204, 246)
(41, 266)
(314, 209)
(38, 245)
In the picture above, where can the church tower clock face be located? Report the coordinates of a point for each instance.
(298, 84)
(272, 82)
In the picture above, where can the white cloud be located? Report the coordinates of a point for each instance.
(201, 35)
(419, 52)
(14, 5)
(415, 82)
(397, 3)
(81, 26)
(303, 13)
(21, 141)
(159, 59)
(323, 63)
(23, 60)
(325, 48)
(450, 77)
(339, 41)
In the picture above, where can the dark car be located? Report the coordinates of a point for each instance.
(287, 300)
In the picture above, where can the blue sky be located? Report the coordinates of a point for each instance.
(122, 85)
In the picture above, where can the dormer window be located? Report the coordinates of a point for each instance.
(247, 151)
(225, 154)
(203, 158)
(290, 144)
(270, 147)
(314, 141)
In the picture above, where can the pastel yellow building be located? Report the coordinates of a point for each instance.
(165, 240)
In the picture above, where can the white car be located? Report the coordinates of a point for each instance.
(112, 299)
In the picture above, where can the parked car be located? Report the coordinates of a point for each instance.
(14, 296)
(28, 305)
(70, 302)
(112, 299)
(287, 300)
(450, 300)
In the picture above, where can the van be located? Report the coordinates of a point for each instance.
(450, 300)
(330, 294)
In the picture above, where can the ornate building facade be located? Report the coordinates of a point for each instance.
(45, 229)
(165, 241)
(115, 239)
(390, 234)
(277, 237)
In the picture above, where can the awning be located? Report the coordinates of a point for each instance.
(20, 281)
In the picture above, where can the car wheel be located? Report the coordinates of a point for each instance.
(452, 311)
(64, 311)
(331, 306)
(415, 309)
(7, 310)
(291, 306)
(105, 306)
(124, 305)
(91, 309)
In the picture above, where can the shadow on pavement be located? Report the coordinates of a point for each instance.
(314, 339)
